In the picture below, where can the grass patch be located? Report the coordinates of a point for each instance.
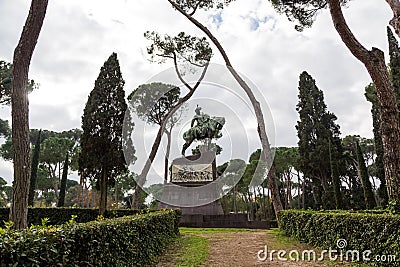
(277, 240)
(194, 252)
(196, 231)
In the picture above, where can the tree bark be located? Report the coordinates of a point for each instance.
(374, 62)
(395, 21)
(103, 193)
(168, 133)
(272, 179)
(20, 112)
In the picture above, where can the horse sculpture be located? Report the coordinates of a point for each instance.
(207, 128)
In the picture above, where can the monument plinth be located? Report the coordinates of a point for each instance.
(191, 188)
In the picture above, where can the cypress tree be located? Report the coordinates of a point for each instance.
(364, 177)
(370, 95)
(34, 168)
(101, 155)
(316, 130)
(63, 185)
(335, 178)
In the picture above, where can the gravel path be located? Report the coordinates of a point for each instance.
(240, 249)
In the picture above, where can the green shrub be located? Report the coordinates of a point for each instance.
(379, 233)
(126, 241)
(61, 215)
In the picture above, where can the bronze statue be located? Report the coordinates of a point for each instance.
(206, 128)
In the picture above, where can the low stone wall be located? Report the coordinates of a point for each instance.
(221, 221)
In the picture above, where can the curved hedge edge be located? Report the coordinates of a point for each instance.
(126, 241)
(379, 233)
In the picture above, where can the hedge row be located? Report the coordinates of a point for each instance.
(379, 233)
(126, 241)
(61, 215)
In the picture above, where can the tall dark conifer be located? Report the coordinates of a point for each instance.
(394, 52)
(63, 185)
(364, 177)
(317, 133)
(34, 167)
(101, 156)
(370, 95)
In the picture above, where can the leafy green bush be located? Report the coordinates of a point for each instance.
(62, 215)
(126, 241)
(379, 233)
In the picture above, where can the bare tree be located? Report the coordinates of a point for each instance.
(20, 111)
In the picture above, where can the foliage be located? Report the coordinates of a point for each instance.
(101, 155)
(133, 240)
(319, 143)
(5, 130)
(378, 233)
(182, 47)
(366, 183)
(57, 216)
(5, 89)
(6, 150)
(34, 169)
(371, 96)
(5, 193)
(151, 102)
(302, 11)
(190, 6)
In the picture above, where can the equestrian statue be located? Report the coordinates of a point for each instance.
(206, 128)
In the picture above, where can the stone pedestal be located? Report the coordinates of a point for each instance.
(191, 199)
(192, 188)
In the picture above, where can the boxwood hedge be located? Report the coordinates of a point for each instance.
(62, 215)
(379, 233)
(125, 241)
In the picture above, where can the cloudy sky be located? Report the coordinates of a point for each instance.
(78, 36)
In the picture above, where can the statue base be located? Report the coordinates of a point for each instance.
(190, 201)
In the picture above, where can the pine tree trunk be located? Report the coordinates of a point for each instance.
(116, 195)
(272, 179)
(20, 112)
(63, 186)
(235, 209)
(374, 61)
(303, 196)
(168, 133)
(103, 193)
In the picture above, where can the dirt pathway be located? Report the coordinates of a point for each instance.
(240, 249)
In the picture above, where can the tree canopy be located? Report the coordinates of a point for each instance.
(5, 89)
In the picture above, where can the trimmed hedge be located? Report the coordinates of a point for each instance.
(126, 241)
(62, 215)
(379, 233)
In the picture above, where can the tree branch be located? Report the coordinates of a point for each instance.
(355, 47)
(395, 21)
